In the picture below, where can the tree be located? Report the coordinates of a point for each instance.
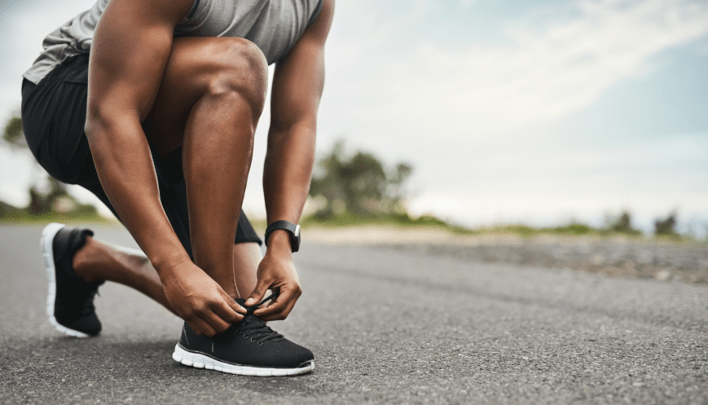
(623, 224)
(665, 227)
(358, 185)
(13, 134)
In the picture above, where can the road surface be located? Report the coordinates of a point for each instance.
(386, 327)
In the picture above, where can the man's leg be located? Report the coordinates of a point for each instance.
(209, 102)
(247, 257)
(96, 261)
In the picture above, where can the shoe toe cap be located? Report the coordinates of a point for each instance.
(293, 355)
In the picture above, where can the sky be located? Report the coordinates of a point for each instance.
(540, 112)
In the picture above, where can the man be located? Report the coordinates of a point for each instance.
(152, 106)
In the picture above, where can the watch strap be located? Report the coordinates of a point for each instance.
(293, 230)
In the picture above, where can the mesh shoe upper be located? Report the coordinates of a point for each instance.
(250, 343)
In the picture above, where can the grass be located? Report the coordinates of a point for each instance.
(23, 217)
(526, 231)
(347, 220)
(427, 221)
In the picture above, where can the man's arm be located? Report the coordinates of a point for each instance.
(297, 89)
(130, 50)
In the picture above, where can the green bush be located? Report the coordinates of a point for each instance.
(665, 227)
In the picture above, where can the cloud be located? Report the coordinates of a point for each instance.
(467, 4)
(556, 183)
(537, 71)
(547, 74)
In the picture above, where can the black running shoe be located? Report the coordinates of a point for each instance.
(246, 348)
(70, 300)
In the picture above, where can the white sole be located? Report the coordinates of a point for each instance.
(197, 360)
(48, 255)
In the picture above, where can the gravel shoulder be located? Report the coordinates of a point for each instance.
(661, 260)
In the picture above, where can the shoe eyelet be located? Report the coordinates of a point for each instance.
(253, 340)
(245, 336)
(260, 343)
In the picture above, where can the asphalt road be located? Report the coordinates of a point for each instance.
(386, 327)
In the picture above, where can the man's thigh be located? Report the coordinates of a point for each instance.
(53, 116)
(195, 63)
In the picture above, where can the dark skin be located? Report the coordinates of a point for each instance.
(206, 95)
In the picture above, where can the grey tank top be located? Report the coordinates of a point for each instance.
(273, 25)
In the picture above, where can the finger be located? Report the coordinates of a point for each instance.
(281, 302)
(280, 315)
(232, 304)
(203, 327)
(211, 325)
(227, 312)
(195, 327)
(288, 307)
(258, 293)
(269, 302)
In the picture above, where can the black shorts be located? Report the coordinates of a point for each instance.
(53, 115)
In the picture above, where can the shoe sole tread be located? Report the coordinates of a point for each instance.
(198, 360)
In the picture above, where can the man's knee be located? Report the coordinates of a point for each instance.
(242, 69)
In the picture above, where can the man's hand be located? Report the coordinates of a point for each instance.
(276, 272)
(199, 300)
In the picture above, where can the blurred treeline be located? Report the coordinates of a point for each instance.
(619, 225)
(346, 189)
(357, 188)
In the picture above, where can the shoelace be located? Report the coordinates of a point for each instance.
(256, 329)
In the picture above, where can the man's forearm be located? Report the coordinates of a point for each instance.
(287, 171)
(286, 182)
(131, 47)
(124, 166)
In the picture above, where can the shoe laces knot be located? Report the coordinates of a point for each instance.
(255, 328)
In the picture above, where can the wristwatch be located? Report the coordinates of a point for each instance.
(293, 229)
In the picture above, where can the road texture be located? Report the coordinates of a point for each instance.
(386, 326)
